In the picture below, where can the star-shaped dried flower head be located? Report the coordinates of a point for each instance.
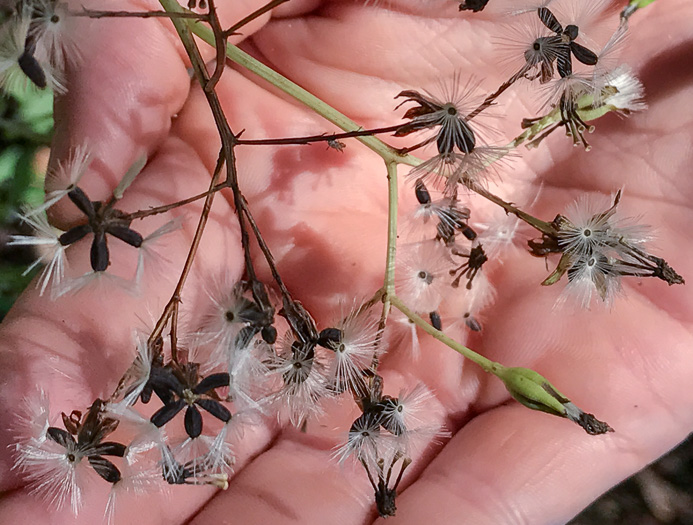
(55, 467)
(566, 46)
(102, 219)
(304, 381)
(179, 387)
(453, 131)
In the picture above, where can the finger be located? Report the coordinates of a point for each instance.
(125, 89)
(294, 482)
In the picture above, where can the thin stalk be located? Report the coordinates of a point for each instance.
(252, 16)
(388, 288)
(219, 45)
(489, 100)
(537, 224)
(92, 13)
(487, 365)
(172, 305)
(392, 206)
(141, 214)
(243, 210)
(170, 311)
(317, 138)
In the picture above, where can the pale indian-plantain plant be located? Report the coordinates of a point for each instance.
(253, 351)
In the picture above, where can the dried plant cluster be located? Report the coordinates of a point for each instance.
(257, 353)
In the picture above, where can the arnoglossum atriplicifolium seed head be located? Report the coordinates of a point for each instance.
(226, 367)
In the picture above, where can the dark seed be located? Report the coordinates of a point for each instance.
(60, 436)
(215, 408)
(74, 234)
(436, 321)
(105, 469)
(166, 413)
(125, 234)
(99, 252)
(80, 199)
(32, 69)
(211, 382)
(193, 422)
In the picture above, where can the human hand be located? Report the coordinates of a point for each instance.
(324, 216)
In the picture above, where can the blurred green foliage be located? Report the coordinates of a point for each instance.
(26, 125)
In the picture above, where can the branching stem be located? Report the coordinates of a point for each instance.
(318, 138)
(486, 364)
(253, 65)
(252, 16)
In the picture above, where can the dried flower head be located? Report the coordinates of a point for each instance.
(181, 387)
(304, 381)
(423, 276)
(56, 467)
(354, 342)
(598, 248)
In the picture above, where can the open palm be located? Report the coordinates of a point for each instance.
(323, 214)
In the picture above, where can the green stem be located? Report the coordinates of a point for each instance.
(486, 364)
(391, 253)
(392, 205)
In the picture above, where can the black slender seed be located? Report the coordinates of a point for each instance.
(436, 322)
(167, 412)
(105, 469)
(125, 234)
(584, 55)
(215, 408)
(193, 422)
(549, 20)
(80, 199)
(74, 234)
(60, 436)
(32, 69)
(99, 252)
(110, 448)
(472, 323)
(421, 191)
(211, 382)
(469, 233)
(465, 140)
(564, 65)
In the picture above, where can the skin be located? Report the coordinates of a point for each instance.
(630, 365)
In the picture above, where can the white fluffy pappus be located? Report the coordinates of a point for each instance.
(423, 278)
